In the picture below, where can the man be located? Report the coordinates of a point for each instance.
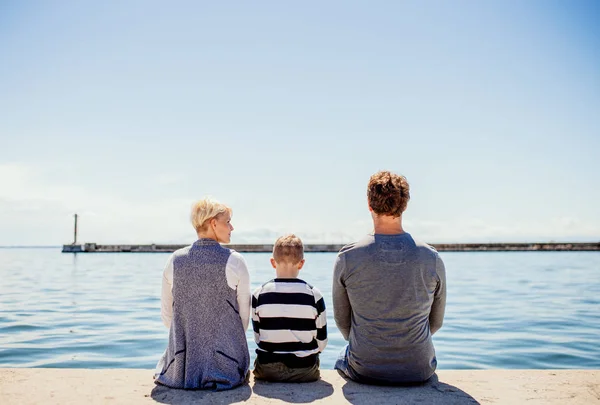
(389, 295)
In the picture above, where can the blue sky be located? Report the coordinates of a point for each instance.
(127, 112)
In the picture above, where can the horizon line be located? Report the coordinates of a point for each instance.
(305, 244)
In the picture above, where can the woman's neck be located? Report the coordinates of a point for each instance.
(207, 235)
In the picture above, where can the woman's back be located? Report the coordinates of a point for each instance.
(207, 343)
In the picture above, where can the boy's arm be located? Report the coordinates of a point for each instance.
(166, 298)
(342, 311)
(255, 318)
(438, 308)
(321, 321)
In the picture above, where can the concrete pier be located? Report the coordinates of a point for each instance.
(127, 386)
(245, 248)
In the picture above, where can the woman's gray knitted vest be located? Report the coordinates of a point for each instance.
(207, 342)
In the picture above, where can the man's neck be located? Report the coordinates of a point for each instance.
(387, 225)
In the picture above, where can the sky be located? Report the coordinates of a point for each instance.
(126, 112)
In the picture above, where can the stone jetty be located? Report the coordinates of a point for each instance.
(441, 247)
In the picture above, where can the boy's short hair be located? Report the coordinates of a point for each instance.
(204, 210)
(288, 249)
(388, 193)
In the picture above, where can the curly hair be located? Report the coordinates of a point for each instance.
(388, 193)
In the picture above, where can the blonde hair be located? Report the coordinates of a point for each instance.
(288, 249)
(204, 210)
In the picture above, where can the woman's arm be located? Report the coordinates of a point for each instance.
(238, 279)
(166, 299)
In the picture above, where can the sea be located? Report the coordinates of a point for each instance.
(505, 310)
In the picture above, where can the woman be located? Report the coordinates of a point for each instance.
(206, 306)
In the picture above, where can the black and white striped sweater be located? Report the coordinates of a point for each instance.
(289, 321)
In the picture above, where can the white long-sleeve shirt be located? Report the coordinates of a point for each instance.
(238, 279)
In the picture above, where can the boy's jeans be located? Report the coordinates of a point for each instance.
(283, 373)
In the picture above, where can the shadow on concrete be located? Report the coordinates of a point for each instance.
(166, 395)
(430, 392)
(293, 392)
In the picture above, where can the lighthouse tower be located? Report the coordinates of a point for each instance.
(73, 247)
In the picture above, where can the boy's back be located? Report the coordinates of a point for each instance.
(289, 322)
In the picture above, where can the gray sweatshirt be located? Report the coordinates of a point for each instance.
(389, 297)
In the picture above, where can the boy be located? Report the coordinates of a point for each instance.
(289, 319)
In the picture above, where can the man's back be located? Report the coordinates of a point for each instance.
(389, 295)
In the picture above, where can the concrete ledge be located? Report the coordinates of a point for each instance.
(133, 386)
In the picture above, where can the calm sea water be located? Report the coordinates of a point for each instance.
(504, 309)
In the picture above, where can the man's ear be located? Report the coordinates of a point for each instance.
(273, 263)
(301, 263)
(370, 209)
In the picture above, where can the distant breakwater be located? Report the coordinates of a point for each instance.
(257, 248)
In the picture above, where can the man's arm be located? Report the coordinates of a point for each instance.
(438, 308)
(342, 311)
(166, 299)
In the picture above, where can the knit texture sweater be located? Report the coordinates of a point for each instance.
(207, 346)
